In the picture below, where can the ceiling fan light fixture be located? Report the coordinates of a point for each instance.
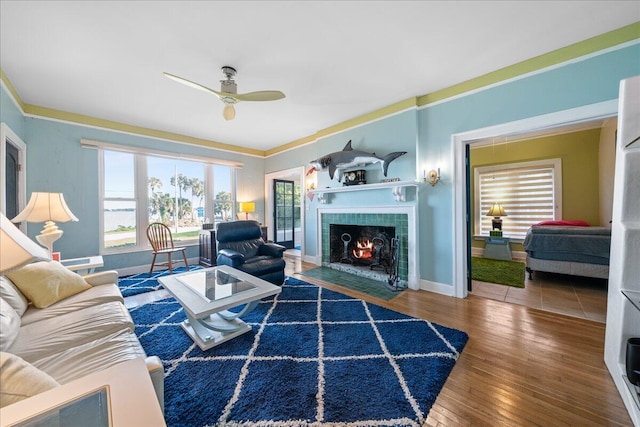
(229, 92)
(229, 112)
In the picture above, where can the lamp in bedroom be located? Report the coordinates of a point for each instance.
(496, 211)
(16, 249)
(47, 208)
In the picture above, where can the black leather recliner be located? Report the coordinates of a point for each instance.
(240, 245)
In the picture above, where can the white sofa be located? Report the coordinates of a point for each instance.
(78, 335)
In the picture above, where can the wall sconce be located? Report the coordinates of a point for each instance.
(433, 177)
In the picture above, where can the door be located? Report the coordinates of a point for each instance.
(12, 182)
(12, 173)
(284, 217)
(467, 161)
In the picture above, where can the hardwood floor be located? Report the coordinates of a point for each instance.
(521, 366)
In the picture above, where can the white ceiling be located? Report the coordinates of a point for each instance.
(334, 60)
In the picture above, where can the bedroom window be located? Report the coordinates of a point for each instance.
(138, 188)
(530, 192)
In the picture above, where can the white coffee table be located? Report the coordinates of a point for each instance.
(206, 295)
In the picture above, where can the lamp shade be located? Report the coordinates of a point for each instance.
(246, 207)
(496, 210)
(44, 207)
(16, 249)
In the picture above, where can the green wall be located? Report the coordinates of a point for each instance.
(580, 173)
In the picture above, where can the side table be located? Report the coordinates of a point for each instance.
(84, 265)
(497, 248)
(207, 248)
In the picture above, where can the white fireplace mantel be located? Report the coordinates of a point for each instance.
(398, 189)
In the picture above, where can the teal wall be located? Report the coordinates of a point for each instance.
(10, 114)
(394, 133)
(590, 81)
(427, 133)
(57, 163)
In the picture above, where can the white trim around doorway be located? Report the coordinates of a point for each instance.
(268, 200)
(598, 111)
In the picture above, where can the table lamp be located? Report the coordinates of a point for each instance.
(47, 208)
(246, 207)
(16, 249)
(496, 211)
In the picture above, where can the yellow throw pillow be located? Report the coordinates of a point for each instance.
(44, 283)
(19, 379)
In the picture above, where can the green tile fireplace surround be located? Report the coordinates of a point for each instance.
(398, 220)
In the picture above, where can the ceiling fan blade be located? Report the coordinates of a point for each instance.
(263, 95)
(193, 84)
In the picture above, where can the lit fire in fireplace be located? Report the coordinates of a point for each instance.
(364, 249)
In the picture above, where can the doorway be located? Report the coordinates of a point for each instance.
(284, 212)
(297, 176)
(600, 111)
(13, 171)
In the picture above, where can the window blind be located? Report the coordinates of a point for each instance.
(528, 195)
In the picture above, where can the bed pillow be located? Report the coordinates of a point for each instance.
(19, 379)
(565, 222)
(45, 283)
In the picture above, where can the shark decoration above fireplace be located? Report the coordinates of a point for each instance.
(348, 158)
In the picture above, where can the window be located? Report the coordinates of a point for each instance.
(119, 200)
(140, 188)
(529, 193)
(223, 195)
(176, 195)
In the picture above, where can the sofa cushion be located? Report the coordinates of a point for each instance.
(19, 379)
(101, 353)
(13, 296)
(93, 296)
(39, 339)
(9, 325)
(44, 283)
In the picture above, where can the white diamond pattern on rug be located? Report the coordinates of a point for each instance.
(135, 284)
(314, 358)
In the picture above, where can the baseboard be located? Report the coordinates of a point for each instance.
(312, 259)
(436, 287)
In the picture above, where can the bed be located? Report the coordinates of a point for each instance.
(568, 249)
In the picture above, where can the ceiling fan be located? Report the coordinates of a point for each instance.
(229, 92)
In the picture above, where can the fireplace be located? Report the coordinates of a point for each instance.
(390, 223)
(362, 245)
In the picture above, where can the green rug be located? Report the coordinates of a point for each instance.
(510, 273)
(351, 281)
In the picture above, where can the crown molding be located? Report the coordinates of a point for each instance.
(65, 116)
(537, 64)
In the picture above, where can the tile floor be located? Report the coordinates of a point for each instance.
(582, 297)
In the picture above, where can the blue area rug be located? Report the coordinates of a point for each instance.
(313, 358)
(135, 284)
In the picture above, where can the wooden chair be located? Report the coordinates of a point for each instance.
(161, 240)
